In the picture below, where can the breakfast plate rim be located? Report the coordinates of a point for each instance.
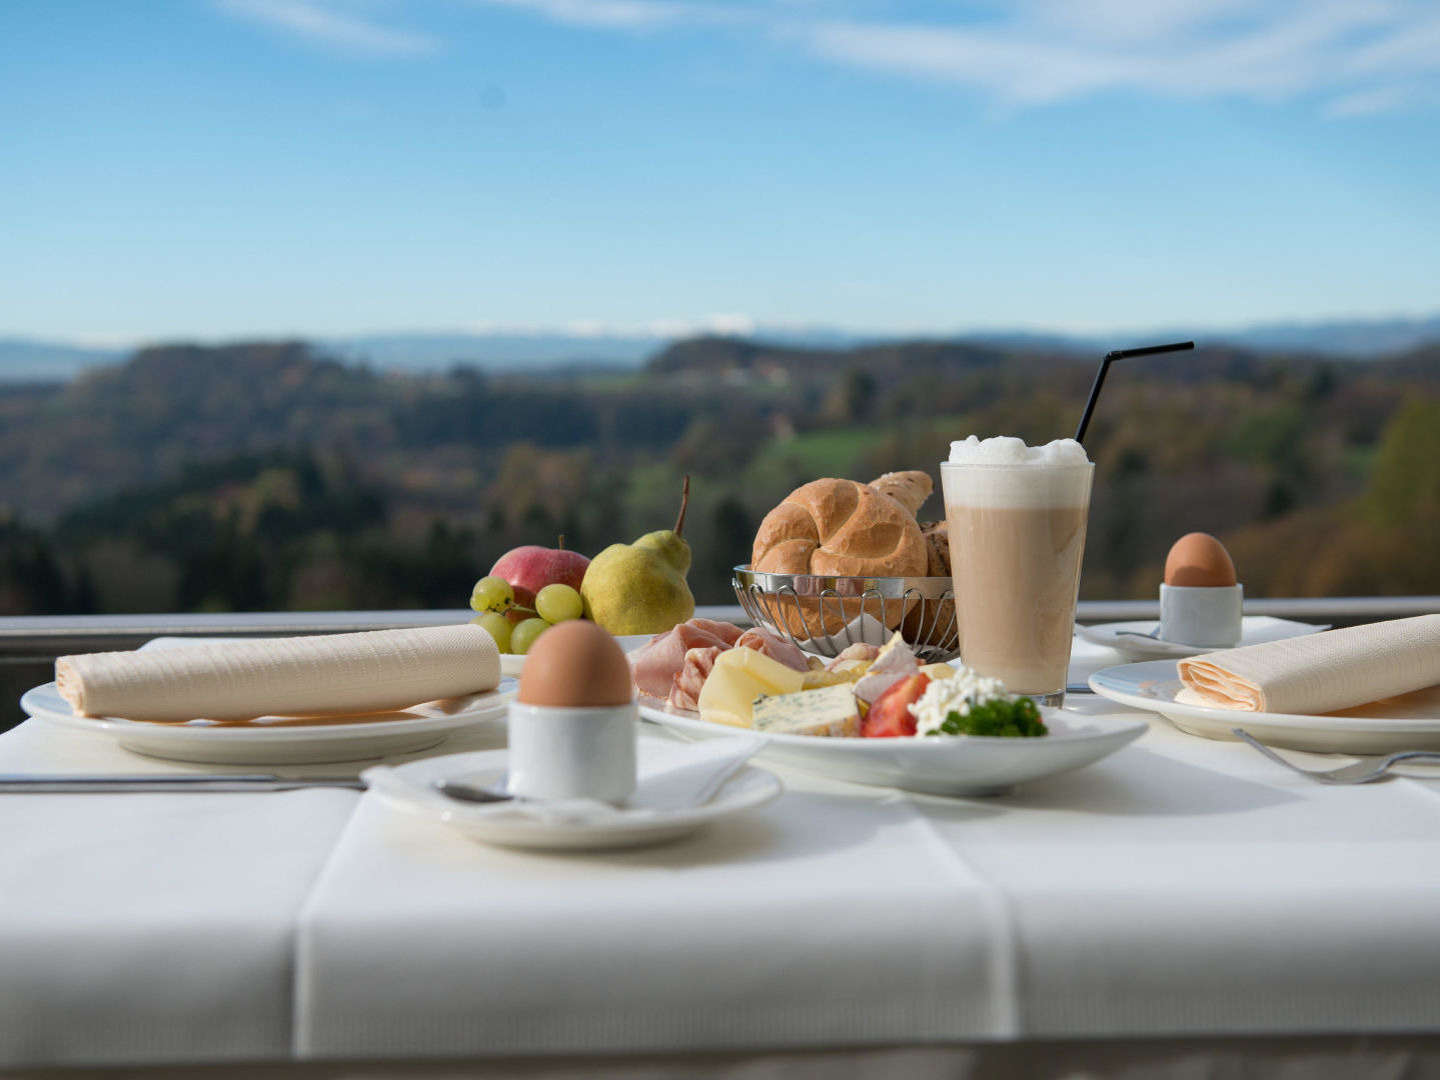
(1085, 731)
(1239, 718)
(488, 706)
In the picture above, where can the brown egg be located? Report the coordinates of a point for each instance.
(575, 664)
(1198, 560)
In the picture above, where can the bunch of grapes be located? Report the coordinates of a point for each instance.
(494, 599)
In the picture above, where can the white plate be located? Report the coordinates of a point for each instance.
(410, 787)
(935, 764)
(512, 664)
(277, 744)
(1411, 722)
(1128, 639)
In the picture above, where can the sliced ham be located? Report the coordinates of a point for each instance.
(685, 688)
(656, 665)
(888, 669)
(729, 633)
(773, 646)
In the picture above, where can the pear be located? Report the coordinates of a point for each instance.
(640, 588)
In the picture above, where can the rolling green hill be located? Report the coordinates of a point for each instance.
(266, 475)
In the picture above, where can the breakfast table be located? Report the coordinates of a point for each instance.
(1182, 902)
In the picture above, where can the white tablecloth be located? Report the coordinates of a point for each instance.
(1180, 887)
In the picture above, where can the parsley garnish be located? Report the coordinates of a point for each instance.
(1015, 719)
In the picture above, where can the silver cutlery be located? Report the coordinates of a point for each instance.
(54, 784)
(1362, 772)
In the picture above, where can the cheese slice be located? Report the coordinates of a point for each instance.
(938, 671)
(831, 710)
(853, 670)
(737, 679)
(813, 680)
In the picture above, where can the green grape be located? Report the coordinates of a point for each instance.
(524, 635)
(497, 626)
(492, 594)
(557, 603)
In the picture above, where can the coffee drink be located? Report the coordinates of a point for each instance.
(1017, 519)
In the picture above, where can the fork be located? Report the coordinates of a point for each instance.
(1362, 772)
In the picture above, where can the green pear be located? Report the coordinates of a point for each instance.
(640, 588)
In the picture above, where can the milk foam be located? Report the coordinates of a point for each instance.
(1038, 477)
(1008, 450)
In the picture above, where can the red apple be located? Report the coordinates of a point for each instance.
(530, 568)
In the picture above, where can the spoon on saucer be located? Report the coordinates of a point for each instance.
(471, 793)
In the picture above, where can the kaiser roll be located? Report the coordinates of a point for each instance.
(838, 527)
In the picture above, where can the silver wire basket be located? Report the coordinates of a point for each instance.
(824, 614)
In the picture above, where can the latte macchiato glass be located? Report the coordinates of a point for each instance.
(1017, 518)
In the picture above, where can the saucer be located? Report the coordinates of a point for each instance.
(410, 787)
(1132, 640)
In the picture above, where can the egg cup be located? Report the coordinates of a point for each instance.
(1205, 616)
(572, 752)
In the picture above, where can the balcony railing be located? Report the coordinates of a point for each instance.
(29, 644)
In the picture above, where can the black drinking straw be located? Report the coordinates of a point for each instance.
(1120, 354)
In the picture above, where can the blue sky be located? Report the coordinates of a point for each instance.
(219, 168)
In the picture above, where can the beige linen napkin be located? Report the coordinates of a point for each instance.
(300, 676)
(1320, 673)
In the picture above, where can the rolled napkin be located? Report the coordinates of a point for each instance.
(1320, 673)
(300, 676)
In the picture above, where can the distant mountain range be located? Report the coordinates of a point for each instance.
(24, 359)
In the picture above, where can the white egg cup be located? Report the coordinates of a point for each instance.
(1208, 616)
(572, 753)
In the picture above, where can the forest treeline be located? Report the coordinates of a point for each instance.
(265, 476)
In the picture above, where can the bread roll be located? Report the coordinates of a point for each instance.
(838, 527)
(937, 544)
(910, 488)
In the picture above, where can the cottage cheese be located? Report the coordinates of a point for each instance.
(955, 694)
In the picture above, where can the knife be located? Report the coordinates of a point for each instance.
(55, 784)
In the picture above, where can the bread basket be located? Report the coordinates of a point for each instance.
(823, 614)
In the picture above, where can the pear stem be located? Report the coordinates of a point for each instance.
(684, 505)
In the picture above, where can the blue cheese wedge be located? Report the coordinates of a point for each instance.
(830, 710)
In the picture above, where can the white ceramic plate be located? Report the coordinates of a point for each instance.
(1128, 638)
(275, 744)
(1411, 722)
(410, 788)
(937, 765)
(511, 664)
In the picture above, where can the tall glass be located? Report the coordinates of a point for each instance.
(1017, 535)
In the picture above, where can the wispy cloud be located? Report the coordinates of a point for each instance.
(631, 14)
(626, 14)
(1350, 56)
(331, 26)
(1263, 51)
